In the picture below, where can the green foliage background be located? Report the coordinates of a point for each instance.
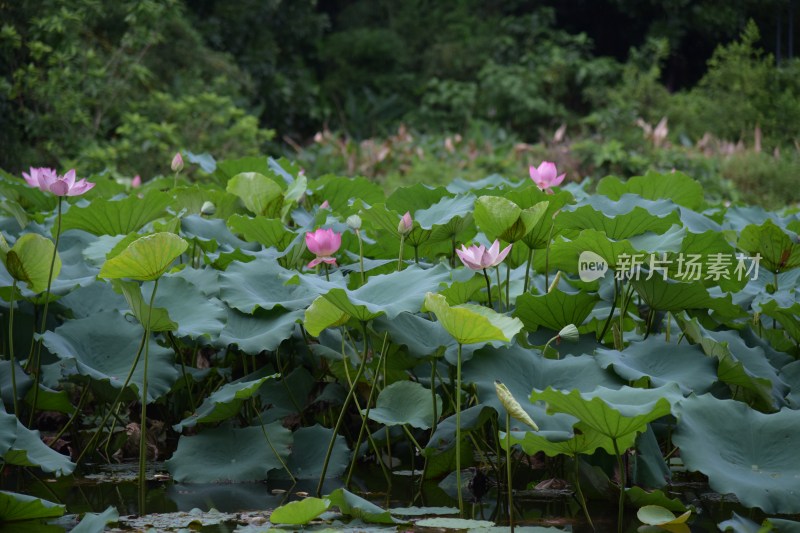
(117, 85)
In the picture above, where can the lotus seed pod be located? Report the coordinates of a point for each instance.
(208, 208)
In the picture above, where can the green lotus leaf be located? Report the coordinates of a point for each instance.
(197, 314)
(300, 511)
(529, 198)
(405, 402)
(740, 366)
(662, 363)
(14, 507)
(495, 215)
(288, 396)
(146, 258)
(29, 261)
(230, 454)
(455, 523)
(263, 284)
(554, 309)
(742, 451)
(103, 347)
(414, 197)
(223, 403)
(48, 399)
(231, 167)
(565, 254)
(423, 511)
(675, 186)
(308, 454)
(420, 336)
(263, 330)
(791, 374)
(155, 319)
(712, 254)
(585, 440)
(116, 217)
(521, 370)
(339, 190)
(621, 219)
(321, 314)
(779, 252)
(389, 294)
(263, 230)
(471, 324)
(614, 413)
(787, 316)
(259, 194)
(380, 217)
(97, 522)
(357, 507)
(444, 211)
(655, 515)
(638, 497)
(676, 296)
(24, 447)
(190, 200)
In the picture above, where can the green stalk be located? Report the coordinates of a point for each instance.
(143, 426)
(508, 473)
(13, 360)
(623, 482)
(37, 356)
(271, 447)
(78, 410)
(528, 270)
(175, 347)
(499, 288)
(340, 419)
(400, 259)
(547, 254)
(508, 286)
(115, 403)
(458, 430)
(361, 255)
(579, 492)
(488, 289)
(325, 266)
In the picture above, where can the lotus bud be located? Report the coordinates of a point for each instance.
(569, 333)
(208, 209)
(136, 182)
(325, 205)
(512, 406)
(406, 224)
(354, 221)
(177, 163)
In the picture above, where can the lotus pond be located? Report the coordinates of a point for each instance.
(315, 353)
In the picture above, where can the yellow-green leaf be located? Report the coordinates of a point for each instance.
(29, 261)
(146, 258)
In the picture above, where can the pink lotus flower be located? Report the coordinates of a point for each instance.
(323, 243)
(479, 258)
(47, 180)
(545, 176)
(136, 182)
(177, 163)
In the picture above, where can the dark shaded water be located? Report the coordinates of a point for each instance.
(115, 485)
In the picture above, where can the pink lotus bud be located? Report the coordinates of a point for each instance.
(177, 163)
(136, 182)
(406, 224)
(325, 205)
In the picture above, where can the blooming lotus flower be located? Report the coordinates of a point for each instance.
(479, 258)
(546, 176)
(323, 243)
(47, 180)
(177, 163)
(406, 224)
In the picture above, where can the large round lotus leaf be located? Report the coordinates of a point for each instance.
(614, 413)
(308, 454)
(146, 258)
(228, 454)
(196, 314)
(116, 217)
(29, 261)
(14, 506)
(260, 194)
(299, 512)
(585, 441)
(405, 402)
(675, 186)
(554, 309)
(103, 347)
(471, 324)
(662, 363)
(655, 515)
(223, 403)
(97, 522)
(24, 447)
(620, 219)
(357, 507)
(522, 370)
(263, 330)
(742, 451)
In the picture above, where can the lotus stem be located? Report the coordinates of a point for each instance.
(143, 426)
(508, 286)
(12, 357)
(611, 313)
(416, 255)
(400, 259)
(271, 447)
(325, 267)
(78, 410)
(458, 428)
(622, 482)
(116, 401)
(499, 288)
(547, 253)
(340, 419)
(361, 255)
(37, 355)
(528, 270)
(508, 472)
(579, 492)
(488, 289)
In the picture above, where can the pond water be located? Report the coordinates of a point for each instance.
(240, 504)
